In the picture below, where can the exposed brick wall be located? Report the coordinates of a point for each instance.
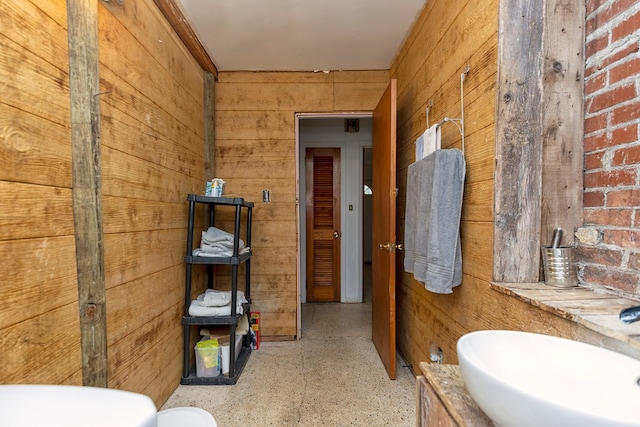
(609, 242)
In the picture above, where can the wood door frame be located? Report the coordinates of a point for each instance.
(300, 197)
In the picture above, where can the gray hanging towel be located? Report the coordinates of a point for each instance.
(435, 187)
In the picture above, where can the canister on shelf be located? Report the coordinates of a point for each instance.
(217, 187)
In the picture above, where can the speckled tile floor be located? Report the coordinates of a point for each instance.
(332, 377)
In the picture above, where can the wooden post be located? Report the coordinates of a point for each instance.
(563, 119)
(209, 125)
(539, 132)
(84, 87)
(518, 173)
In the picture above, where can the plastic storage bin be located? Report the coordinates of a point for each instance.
(224, 351)
(207, 359)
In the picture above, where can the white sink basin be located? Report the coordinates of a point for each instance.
(532, 380)
(74, 406)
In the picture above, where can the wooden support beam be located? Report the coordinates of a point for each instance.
(84, 88)
(518, 173)
(181, 26)
(539, 132)
(209, 125)
(563, 119)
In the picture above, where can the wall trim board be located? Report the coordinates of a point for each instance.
(84, 87)
(209, 125)
(180, 25)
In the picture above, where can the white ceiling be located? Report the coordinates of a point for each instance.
(301, 35)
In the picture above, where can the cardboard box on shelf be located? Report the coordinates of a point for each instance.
(214, 332)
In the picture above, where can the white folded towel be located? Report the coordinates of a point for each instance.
(195, 309)
(219, 252)
(432, 140)
(215, 298)
(428, 142)
(213, 235)
(220, 246)
(218, 243)
(198, 306)
(240, 298)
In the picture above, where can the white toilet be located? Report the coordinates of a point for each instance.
(185, 416)
(34, 405)
(26, 405)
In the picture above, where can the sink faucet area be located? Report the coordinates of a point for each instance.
(522, 379)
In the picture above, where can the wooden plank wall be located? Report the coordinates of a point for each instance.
(445, 38)
(152, 156)
(255, 150)
(39, 323)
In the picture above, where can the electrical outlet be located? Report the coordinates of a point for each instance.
(436, 354)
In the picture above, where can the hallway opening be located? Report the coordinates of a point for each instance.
(351, 135)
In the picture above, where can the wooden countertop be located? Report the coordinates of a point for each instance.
(447, 383)
(594, 309)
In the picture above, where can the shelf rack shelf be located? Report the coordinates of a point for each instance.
(238, 257)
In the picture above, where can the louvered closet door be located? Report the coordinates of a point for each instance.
(323, 224)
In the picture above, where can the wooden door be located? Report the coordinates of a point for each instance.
(384, 229)
(323, 224)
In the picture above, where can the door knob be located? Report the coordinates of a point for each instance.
(391, 247)
(336, 234)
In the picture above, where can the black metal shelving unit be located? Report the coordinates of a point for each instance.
(235, 260)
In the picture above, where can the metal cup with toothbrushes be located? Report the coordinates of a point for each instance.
(559, 264)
